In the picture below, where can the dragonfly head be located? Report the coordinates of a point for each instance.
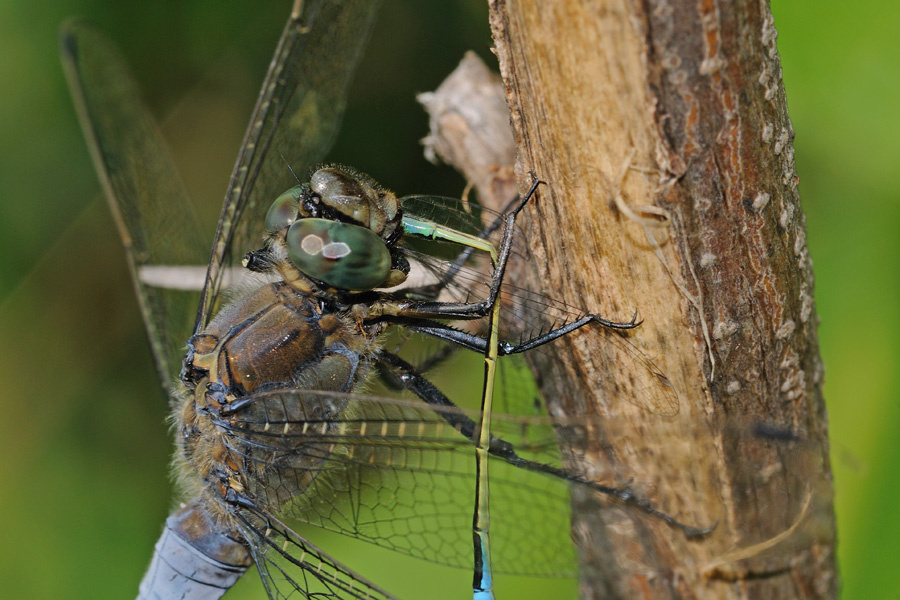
(339, 230)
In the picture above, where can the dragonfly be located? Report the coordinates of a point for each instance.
(264, 445)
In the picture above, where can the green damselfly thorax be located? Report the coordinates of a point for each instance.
(272, 425)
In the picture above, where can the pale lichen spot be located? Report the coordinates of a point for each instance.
(761, 201)
(782, 141)
(800, 244)
(711, 65)
(769, 471)
(806, 304)
(671, 61)
(785, 219)
(724, 329)
(786, 329)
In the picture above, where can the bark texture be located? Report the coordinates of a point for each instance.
(661, 128)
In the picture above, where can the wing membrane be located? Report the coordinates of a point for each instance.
(397, 474)
(294, 124)
(526, 314)
(288, 563)
(152, 211)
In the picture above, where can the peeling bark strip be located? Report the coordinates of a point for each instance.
(674, 112)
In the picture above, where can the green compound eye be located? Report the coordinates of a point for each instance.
(283, 211)
(345, 256)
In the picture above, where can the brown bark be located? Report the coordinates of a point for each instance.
(661, 128)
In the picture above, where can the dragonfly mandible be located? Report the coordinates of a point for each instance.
(265, 445)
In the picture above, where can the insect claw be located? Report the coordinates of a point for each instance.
(695, 533)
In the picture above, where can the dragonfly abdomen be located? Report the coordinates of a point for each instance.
(194, 558)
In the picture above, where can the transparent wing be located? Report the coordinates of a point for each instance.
(406, 485)
(289, 564)
(441, 274)
(293, 125)
(399, 474)
(149, 204)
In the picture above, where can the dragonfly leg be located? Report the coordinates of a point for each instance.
(558, 332)
(479, 344)
(482, 581)
(409, 377)
(457, 310)
(506, 451)
(456, 266)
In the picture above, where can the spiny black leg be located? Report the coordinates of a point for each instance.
(479, 344)
(450, 274)
(473, 310)
(426, 391)
(506, 243)
(540, 340)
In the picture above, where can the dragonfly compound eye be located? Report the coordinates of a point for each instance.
(283, 211)
(342, 255)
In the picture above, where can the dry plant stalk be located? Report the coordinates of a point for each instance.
(662, 131)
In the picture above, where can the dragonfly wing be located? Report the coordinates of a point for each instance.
(526, 314)
(295, 122)
(391, 472)
(289, 564)
(152, 211)
(648, 387)
(400, 475)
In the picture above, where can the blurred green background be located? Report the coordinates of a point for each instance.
(84, 486)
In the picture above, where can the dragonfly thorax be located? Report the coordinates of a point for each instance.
(271, 342)
(277, 337)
